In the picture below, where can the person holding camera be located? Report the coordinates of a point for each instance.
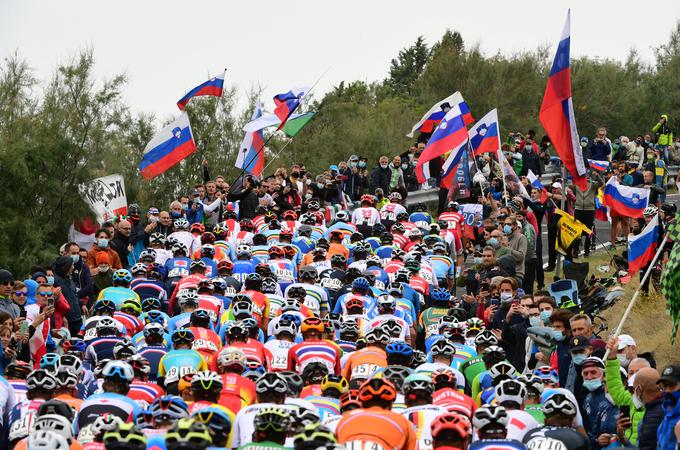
(247, 198)
(601, 147)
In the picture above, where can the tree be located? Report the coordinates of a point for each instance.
(407, 67)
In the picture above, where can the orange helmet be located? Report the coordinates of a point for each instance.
(354, 302)
(197, 228)
(312, 323)
(290, 215)
(377, 388)
(225, 265)
(366, 198)
(351, 397)
(276, 252)
(451, 421)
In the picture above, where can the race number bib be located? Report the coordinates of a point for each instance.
(366, 218)
(175, 373)
(333, 284)
(283, 274)
(432, 329)
(279, 362)
(204, 344)
(21, 427)
(312, 304)
(364, 371)
(90, 334)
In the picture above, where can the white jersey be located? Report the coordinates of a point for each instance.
(421, 417)
(279, 350)
(405, 332)
(428, 368)
(7, 398)
(389, 212)
(162, 256)
(331, 421)
(190, 242)
(243, 430)
(365, 216)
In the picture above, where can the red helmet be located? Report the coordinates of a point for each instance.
(290, 215)
(228, 265)
(207, 238)
(366, 198)
(246, 225)
(197, 228)
(451, 421)
(286, 232)
(354, 302)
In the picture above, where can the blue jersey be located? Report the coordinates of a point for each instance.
(139, 341)
(496, 444)
(147, 288)
(98, 349)
(260, 253)
(243, 268)
(179, 321)
(304, 244)
(384, 252)
(374, 241)
(381, 277)
(106, 403)
(442, 266)
(182, 263)
(210, 267)
(273, 236)
(284, 271)
(153, 354)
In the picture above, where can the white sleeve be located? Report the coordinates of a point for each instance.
(213, 206)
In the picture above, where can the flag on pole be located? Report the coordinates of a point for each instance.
(287, 103)
(436, 113)
(569, 229)
(170, 146)
(601, 211)
(511, 181)
(449, 136)
(251, 152)
(295, 124)
(536, 183)
(670, 277)
(642, 247)
(557, 112)
(600, 166)
(484, 135)
(625, 200)
(213, 86)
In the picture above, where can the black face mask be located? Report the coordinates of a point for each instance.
(295, 174)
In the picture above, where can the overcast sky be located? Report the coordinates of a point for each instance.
(167, 47)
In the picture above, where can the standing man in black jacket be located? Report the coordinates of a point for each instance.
(247, 198)
(81, 277)
(530, 159)
(63, 270)
(380, 176)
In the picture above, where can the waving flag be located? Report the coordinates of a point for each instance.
(670, 277)
(456, 171)
(624, 200)
(641, 248)
(557, 112)
(600, 166)
(287, 103)
(434, 115)
(170, 146)
(449, 135)
(484, 136)
(251, 153)
(536, 183)
(601, 211)
(511, 182)
(213, 86)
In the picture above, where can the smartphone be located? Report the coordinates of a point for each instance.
(23, 313)
(625, 410)
(12, 342)
(50, 302)
(495, 301)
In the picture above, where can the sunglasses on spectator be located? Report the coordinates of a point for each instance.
(45, 294)
(20, 294)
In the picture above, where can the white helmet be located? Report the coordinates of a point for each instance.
(511, 391)
(243, 249)
(285, 326)
(47, 440)
(490, 415)
(230, 356)
(181, 223)
(650, 210)
(55, 423)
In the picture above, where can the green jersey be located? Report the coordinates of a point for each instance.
(266, 445)
(536, 412)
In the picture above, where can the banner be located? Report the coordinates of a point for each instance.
(569, 229)
(106, 196)
(461, 181)
(472, 213)
(511, 181)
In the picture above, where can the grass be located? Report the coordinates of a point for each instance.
(648, 322)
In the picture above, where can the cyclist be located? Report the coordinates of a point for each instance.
(126, 437)
(270, 426)
(442, 352)
(420, 411)
(188, 434)
(490, 424)
(510, 394)
(560, 412)
(142, 390)
(285, 330)
(450, 431)
(237, 391)
(120, 290)
(154, 348)
(363, 363)
(40, 386)
(314, 348)
(166, 411)
(179, 361)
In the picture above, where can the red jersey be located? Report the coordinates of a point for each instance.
(311, 390)
(400, 240)
(456, 222)
(253, 349)
(206, 342)
(419, 284)
(237, 392)
(454, 401)
(189, 280)
(325, 352)
(213, 305)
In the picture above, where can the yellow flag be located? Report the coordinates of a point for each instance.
(569, 229)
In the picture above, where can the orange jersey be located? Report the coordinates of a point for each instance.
(71, 401)
(386, 428)
(363, 363)
(237, 392)
(338, 249)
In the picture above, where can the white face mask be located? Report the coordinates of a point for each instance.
(506, 296)
(623, 360)
(637, 401)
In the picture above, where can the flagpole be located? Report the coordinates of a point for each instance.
(563, 201)
(277, 154)
(637, 292)
(247, 163)
(481, 183)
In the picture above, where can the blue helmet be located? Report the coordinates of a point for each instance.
(440, 296)
(399, 349)
(361, 283)
(122, 275)
(150, 303)
(50, 361)
(169, 407)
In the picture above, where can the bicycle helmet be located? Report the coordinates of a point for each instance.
(148, 255)
(271, 382)
(231, 357)
(200, 318)
(103, 306)
(73, 345)
(71, 363)
(122, 275)
(124, 349)
(493, 353)
(510, 391)
(559, 404)
(197, 264)
(502, 370)
(103, 424)
(402, 275)
(188, 434)
(417, 382)
(349, 330)
(106, 324)
(118, 370)
(650, 211)
(314, 436)
(197, 228)
(294, 381)
(485, 338)
(395, 197)
(440, 296)
(285, 326)
(215, 419)
(377, 388)
(46, 440)
(205, 284)
(312, 324)
(41, 379)
(207, 380)
(50, 362)
(179, 248)
(350, 399)
(336, 382)
(153, 329)
(126, 437)
(443, 377)
(451, 422)
(183, 336)
(377, 336)
(140, 365)
(361, 284)
(419, 357)
(66, 380)
(237, 332)
(301, 417)
(151, 303)
(55, 423)
(138, 269)
(547, 375)
(443, 347)
(399, 350)
(386, 302)
(475, 323)
(490, 418)
(272, 419)
(396, 374)
(533, 383)
(18, 370)
(187, 297)
(169, 408)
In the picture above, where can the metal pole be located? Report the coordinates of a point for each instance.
(637, 292)
(563, 201)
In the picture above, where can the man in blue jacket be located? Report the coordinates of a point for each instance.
(600, 415)
(669, 383)
(601, 146)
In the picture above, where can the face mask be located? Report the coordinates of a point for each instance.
(353, 164)
(185, 207)
(477, 260)
(384, 166)
(535, 321)
(623, 360)
(320, 185)
(175, 214)
(506, 297)
(102, 242)
(637, 401)
(295, 174)
(104, 268)
(492, 242)
(362, 164)
(578, 359)
(545, 316)
(592, 385)
(404, 166)
(75, 258)
(507, 229)
(50, 280)
(558, 335)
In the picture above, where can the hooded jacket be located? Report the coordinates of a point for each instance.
(664, 134)
(68, 290)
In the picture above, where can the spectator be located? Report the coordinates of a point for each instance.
(6, 287)
(664, 135)
(601, 147)
(381, 176)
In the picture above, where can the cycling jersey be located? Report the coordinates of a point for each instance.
(421, 417)
(284, 271)
(519, 424)
(316, 298)
(237, 392)
(388, 214)
(147, 288)
(429, 320)
(364, 219)
(277, 358)
(463, 353)
(117, 294)
(206, 342)
(21, 418)
(100, 348)
(325, 406)
(144, 392)
(325, 352)
(385, 428)
(177, 363)
(89, 329)
(244, 427)
(497, 444)
(7, 398)
(131, 324)
(556, 437)
(443, 267)
(153, 354)
(364, 363)
(369, 304)
(106, 403)
(472, 367)
(179, 321)
(254, 350)
(454, 401)
(19, 388)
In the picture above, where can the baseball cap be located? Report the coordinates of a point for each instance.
(670, 374)
(593, 361)
(153, 210)
(625, 340)
(6, 276)
(333, 167)
(354, 158)
(195, 193)
(578, 343)
(557, 186)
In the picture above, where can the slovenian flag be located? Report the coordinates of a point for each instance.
(557, 112)
(484, 136)
(641, 248)
(213, 86)
(436, 113)
(170, 146)
(251, 152)
(600, 166)
(287, 103)
(449, 136)
(536, 183)
(624, 200)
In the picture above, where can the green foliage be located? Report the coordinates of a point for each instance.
(407, 67)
